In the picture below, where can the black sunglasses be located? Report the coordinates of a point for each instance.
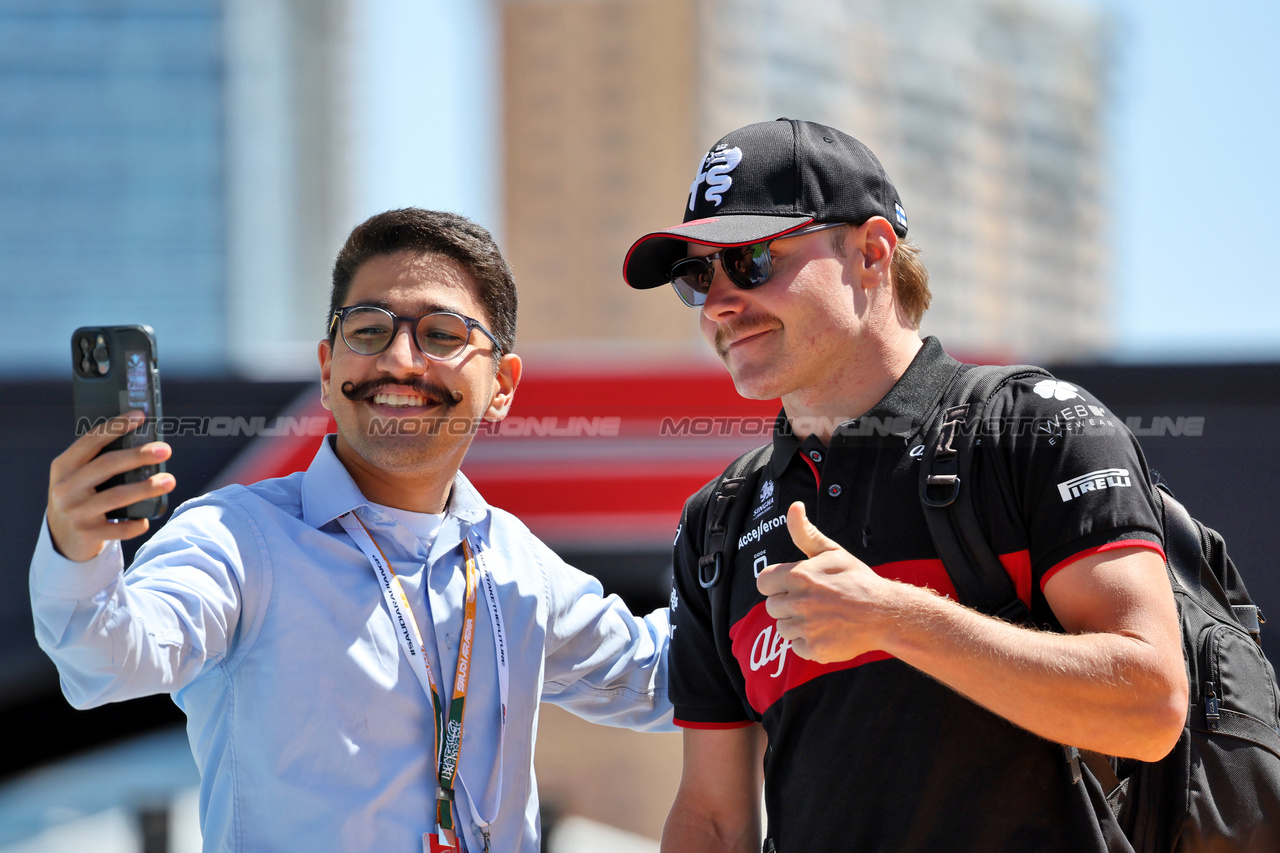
(747, 266)
(440, 335)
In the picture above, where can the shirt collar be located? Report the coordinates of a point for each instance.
(328, 492)
(901, 411)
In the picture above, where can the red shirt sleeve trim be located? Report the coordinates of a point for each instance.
(1110, 546)
(687, 724)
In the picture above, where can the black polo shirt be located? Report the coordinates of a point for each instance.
(870, 754)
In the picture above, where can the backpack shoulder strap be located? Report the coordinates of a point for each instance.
(1185, 554)
(980, 579)
(946, 466)
(726, 509)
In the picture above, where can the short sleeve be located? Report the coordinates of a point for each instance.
(701, 691)
(1075, 477)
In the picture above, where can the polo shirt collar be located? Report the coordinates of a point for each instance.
(903, 409)
(328, 491)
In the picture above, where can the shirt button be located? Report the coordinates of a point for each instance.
(448, 640)
(834, 490)
(815, 456)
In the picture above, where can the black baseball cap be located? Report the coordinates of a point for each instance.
(764, 180)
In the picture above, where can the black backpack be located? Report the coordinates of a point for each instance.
(1218, 791)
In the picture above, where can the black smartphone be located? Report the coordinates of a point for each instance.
(114, 371)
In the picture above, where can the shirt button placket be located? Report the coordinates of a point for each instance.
(833, 510)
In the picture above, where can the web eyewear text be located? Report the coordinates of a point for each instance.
(440, 335)
(747, 266)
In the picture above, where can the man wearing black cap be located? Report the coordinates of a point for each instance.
(894, 718)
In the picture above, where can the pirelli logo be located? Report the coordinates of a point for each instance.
(1094, 481)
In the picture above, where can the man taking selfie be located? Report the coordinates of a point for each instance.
(360, 648)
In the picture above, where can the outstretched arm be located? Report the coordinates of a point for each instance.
(113, 639)
(717, 806)
(1114, 683)
(602, 662)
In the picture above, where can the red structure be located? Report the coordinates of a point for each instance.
(586, 458)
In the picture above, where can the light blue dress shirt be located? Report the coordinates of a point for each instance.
(264, 620)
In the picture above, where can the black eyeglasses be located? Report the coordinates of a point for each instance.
(747, 266)
(440, 335)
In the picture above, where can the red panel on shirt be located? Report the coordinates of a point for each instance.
(771, 668)
(769, 665)
(1018, 565)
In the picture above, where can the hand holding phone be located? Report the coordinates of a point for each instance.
(115, 468)
(78, 511)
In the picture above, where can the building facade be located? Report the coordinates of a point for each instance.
(172, 164)
(989, 115)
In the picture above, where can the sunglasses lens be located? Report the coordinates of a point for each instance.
(368, 330)
(747, 266)
(691, 277)
(442, 336)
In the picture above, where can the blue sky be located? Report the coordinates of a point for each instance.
(425, 111)
(1195, 174)
(1196, 179)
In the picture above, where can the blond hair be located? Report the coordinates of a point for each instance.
(910, 281)
(907, 272)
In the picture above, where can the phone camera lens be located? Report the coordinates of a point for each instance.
(84, 345)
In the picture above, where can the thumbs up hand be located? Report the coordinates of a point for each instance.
(829, 604)
(806, 535)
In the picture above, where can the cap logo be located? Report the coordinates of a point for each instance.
(900, 214)
(715, 169)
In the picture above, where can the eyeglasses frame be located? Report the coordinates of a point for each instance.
(340, 315)
(707, 260)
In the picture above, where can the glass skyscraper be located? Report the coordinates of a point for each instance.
(112, 205)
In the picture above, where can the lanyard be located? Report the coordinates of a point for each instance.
(448, 725)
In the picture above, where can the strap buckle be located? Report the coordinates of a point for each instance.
(707, 560)
(949, 481)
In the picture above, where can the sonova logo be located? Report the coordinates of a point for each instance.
(1052, 388)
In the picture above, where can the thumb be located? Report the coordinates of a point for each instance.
(808, 538)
